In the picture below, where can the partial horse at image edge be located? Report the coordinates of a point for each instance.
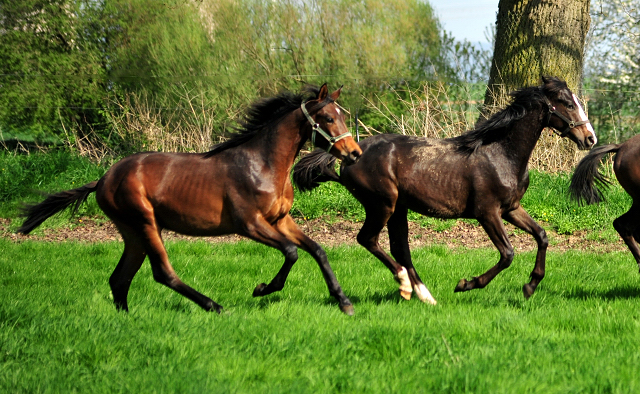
(587, 184)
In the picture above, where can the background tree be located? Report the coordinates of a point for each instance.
(50, 73)
(535, 38)
(612, 77)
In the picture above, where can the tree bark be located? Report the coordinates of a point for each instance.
(536, 38)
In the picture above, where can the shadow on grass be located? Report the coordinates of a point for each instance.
(618, 293)
(375, 298)
(266, 301)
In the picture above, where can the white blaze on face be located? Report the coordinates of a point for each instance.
(583, 117)
(338, 110)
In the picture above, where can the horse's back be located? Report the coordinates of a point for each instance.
(430, 176)
(178, 190)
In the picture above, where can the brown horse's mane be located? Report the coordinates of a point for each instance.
(496, 127)
(263, 115)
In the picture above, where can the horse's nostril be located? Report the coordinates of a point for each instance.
(591, 140)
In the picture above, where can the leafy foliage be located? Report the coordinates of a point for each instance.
(73, 65)
(52, 71)
(612, 78)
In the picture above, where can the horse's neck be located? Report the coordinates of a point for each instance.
(280, 147)
(524, 135)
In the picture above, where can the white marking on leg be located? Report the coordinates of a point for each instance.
(405, 284)
(423, 294)
(583, 117)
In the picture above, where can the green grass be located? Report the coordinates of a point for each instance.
(23, 178)
(59, 331)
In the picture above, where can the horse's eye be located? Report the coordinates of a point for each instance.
(329, 119)
(570, 107)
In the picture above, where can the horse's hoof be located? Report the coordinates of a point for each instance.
(405, 294)
(528, 290)
(347, 309)
(462, 286)
(217, 308)
(212, 306)
(257, 292)
(423, 294)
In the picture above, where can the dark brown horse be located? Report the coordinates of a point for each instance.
(241, 186)
(626, 166)
(480, 174)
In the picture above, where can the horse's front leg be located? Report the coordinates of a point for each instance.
(291, 231)
(498, 234)
(262, 231)
(521, 219)
(282, 238)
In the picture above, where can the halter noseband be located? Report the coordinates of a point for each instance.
(317, 129)
(570, 123)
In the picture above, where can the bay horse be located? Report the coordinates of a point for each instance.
(480, 174)
(241, 186)
(587, 182)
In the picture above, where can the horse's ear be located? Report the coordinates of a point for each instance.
(322, 94)
(336, 94)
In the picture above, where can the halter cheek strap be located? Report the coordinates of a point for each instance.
(570, 123)
(318, 130)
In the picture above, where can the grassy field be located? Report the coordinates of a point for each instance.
(59, 331)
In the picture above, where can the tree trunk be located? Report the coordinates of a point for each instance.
(536, 38)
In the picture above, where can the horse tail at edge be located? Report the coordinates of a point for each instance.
(313, 169)
(587, 182)
(54, 203)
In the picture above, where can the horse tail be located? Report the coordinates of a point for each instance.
(54, 203)
(587, 182)
(313, 169)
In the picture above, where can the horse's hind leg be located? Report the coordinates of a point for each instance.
(376, 219)
(398, 227)
(163, 271)
(627, 226)
(521, 219)
(129, 264)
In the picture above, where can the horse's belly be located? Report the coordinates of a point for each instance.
(439, 211)
(202, 222)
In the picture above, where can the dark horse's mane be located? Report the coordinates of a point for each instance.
(495, 128)
(263, 115)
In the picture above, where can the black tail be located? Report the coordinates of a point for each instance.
(583, 187)
(54, 203)
(313, 169)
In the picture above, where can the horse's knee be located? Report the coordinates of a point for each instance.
(290, 252)
(320, 253)
(621, 226)
(543, 242)
(506, 258)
